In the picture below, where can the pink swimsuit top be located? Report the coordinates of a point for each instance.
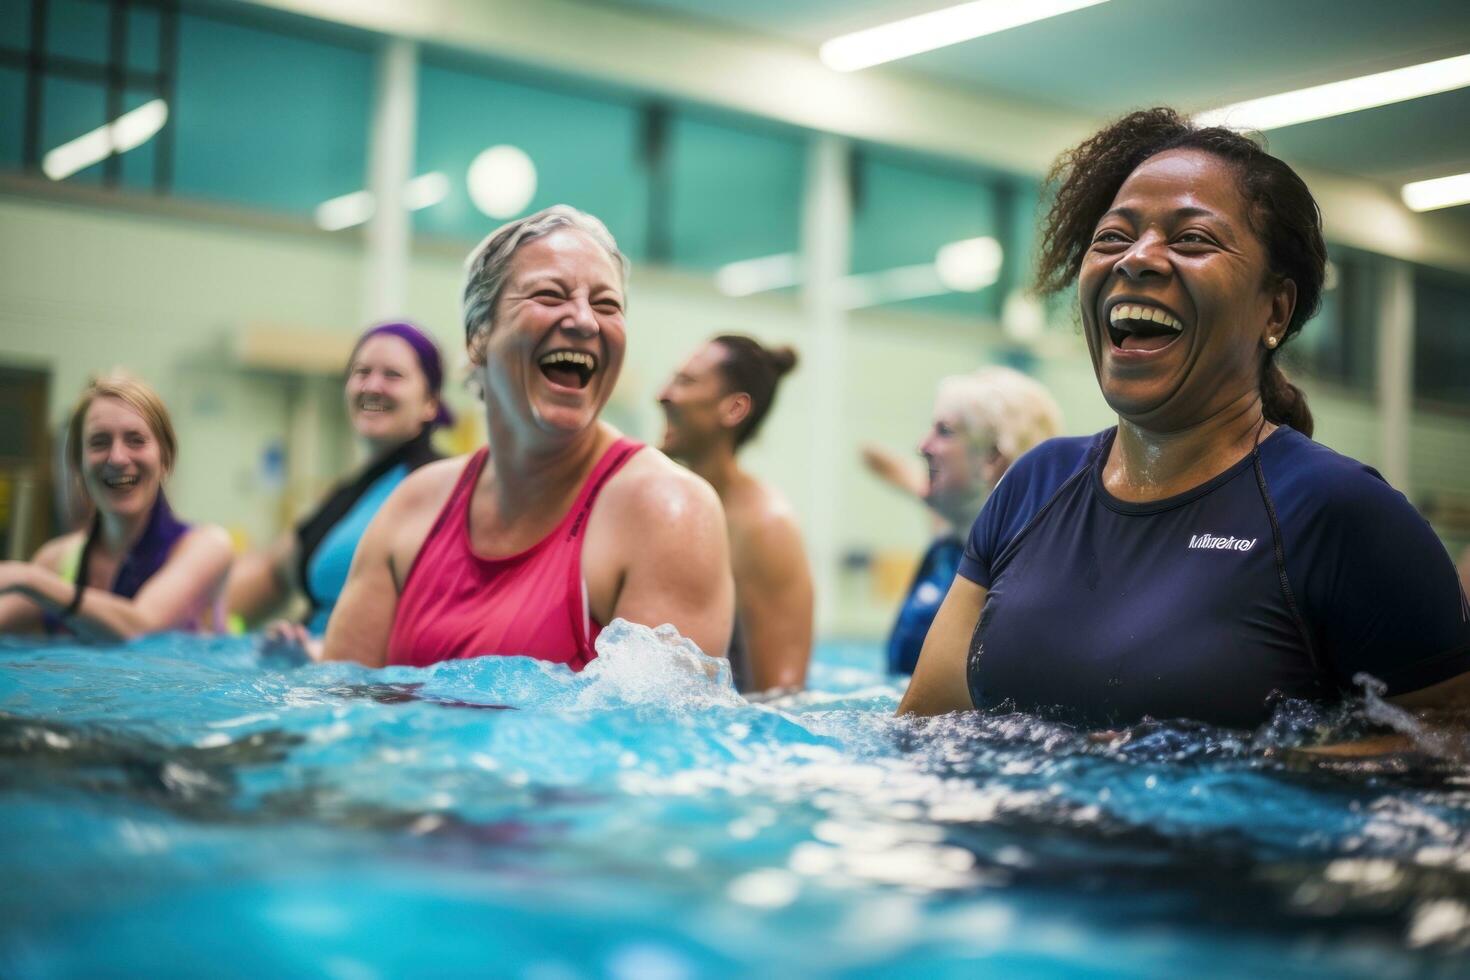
(456, 604)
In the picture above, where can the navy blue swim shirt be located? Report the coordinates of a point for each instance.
(1287, 574)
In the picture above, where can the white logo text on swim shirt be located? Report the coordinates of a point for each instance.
(1214, 542)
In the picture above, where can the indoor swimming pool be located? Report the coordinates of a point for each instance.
(185, 807)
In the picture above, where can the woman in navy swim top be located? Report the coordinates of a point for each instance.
(138, 568)
(1205, 557)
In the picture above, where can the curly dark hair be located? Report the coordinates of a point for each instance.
(1283, 214)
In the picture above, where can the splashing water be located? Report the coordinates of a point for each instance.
(180, 806)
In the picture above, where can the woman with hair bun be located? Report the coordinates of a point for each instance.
(713, 405)
(138, 568)
(1204, 557)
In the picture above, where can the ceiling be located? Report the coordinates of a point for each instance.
(1193, 54)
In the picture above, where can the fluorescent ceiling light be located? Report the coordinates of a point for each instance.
(128, 131)
(759, 275)
(941, 28)
(1349, 95)
(424, 191)
(890, 286)
(1441, 192)
(345, 211)
(965, 266)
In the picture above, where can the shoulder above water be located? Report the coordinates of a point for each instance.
(652, 486)
(1306, 477)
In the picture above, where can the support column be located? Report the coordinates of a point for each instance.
(390, 166)
(826, 233)
(1395, 371)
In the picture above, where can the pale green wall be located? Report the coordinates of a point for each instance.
(84, 288)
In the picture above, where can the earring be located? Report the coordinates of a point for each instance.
(1271, 342)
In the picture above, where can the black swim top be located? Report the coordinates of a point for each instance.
(1288, 574)
(739, 657)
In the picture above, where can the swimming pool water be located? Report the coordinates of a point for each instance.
(188, 807)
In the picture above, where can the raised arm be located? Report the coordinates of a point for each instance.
(774, 595)
(262, 582)
(671, 534)
(900, 472)
(188, 582)
(940, 684)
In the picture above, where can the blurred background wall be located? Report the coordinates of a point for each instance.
(220, 195)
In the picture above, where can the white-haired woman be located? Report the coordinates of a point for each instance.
(983, 422)
(566, 524)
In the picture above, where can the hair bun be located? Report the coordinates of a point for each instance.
(784, 359)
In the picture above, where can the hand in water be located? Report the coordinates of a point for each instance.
(284, 635)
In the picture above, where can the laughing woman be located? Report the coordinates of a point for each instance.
(562, 524)
(138, 569)
(1205, 556)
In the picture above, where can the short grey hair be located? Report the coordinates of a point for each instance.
(486, 269)
(1001, 406)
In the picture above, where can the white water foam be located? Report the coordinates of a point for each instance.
(636, 665)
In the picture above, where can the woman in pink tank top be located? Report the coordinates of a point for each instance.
(530, 545)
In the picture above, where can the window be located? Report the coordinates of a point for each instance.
(1441, 337)
(734, 191)
(1339, 344)
(269, 120)
(931, 237)
(71, 71)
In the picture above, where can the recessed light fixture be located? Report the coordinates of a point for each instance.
(970, 265)
(1441, 192)
(938, 29)
(502, 181)
(1339, 98)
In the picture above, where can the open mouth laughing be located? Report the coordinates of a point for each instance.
(120, 484)
(568, 368)
(1138, 326)
(372, 404)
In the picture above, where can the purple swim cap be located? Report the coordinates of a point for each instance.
(428, 354)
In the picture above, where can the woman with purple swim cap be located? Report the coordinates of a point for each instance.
(394, 379)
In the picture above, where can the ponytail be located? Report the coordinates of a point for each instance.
(1281, 401)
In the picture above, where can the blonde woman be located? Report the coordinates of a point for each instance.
(137, 569)
(983, 422)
